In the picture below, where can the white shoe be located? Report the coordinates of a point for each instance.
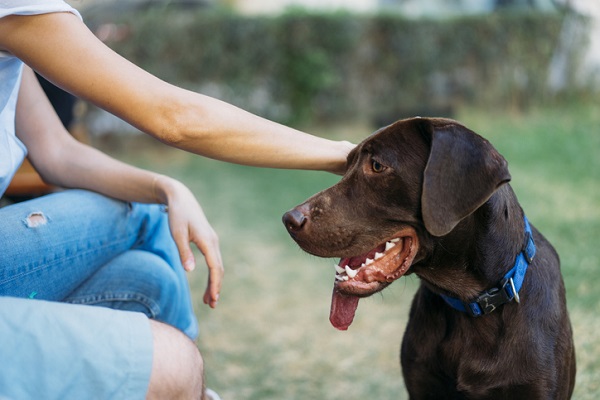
(210, 394)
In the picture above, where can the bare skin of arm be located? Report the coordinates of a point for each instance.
(62, 49)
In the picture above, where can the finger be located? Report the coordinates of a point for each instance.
(212, 254)
(185, 251)
(215, 281)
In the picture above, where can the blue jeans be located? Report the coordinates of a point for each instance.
(81, 247)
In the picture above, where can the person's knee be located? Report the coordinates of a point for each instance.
(177, 366)
(165, 294)
(152, 278)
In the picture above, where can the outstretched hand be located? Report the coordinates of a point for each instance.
(188, 224)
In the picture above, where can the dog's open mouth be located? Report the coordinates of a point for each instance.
(363, 275)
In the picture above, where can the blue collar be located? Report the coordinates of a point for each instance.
(507, 290)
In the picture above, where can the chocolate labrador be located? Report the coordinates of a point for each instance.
(430, 197)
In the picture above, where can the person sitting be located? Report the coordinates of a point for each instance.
(94, 300)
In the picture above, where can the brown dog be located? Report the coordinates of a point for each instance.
(430, 197)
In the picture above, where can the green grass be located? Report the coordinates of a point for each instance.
(270, 337)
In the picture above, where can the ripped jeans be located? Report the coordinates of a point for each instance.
(83, 248)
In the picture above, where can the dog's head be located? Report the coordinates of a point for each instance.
(409, 182)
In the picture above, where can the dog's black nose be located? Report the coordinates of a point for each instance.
(294, 220)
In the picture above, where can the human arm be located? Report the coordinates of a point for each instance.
(63, 161)
(61, 48)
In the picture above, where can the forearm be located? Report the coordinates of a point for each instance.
(222, 131)
(80, 166)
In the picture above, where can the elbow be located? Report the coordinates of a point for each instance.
(172, 126)
(167, 129)
(169, 134)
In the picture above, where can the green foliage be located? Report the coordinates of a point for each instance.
(303, 67)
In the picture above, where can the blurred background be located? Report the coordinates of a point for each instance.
(370, 61)
(523, 73)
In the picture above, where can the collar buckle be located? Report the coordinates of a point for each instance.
(507, 290)
(492, 298)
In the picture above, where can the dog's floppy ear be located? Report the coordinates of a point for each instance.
(462, 172)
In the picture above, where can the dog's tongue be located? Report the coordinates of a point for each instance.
(342, 311)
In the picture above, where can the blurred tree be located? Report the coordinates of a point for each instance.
(573, 64)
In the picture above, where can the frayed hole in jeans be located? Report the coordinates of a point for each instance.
(36, 219)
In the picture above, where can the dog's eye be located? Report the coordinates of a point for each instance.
(376, 166)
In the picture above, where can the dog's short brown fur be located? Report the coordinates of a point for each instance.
(438, 192)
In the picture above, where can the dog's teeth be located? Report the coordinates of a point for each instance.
(345, 277)
(368, 261)
(389, 245)
(396, 240)
(362, 265)
(339, 269)
(378, 255)
(351, 273)
(340, 278)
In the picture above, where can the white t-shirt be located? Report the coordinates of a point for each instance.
(12, 150)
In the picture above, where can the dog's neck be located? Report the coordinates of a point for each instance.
(482, 249)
